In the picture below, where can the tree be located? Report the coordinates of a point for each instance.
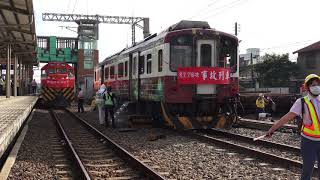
(276, 70)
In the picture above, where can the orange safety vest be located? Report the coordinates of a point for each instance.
(313, 129)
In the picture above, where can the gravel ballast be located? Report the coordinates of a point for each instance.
(186, 158)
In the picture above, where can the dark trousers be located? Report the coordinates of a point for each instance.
(310, 152)
(1, 89)
(34, 88)
(80, 105)
(107, 110)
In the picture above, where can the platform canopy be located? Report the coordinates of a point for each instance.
(17, 27)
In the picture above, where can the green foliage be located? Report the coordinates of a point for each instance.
(276, 70)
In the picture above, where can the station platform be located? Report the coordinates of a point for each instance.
(13, 112)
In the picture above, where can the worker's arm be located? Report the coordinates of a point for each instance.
(284, 119)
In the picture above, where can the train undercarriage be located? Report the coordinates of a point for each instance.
(201, 114)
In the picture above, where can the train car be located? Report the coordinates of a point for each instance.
(57, 84)
(186, 76)
(97, 78)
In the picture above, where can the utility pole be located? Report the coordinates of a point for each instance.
(236, 29)
(252, 79)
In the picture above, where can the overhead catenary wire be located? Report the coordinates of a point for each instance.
(223, 9)
(204, 9)
(299, 43)
(74, 6)
(68, 6)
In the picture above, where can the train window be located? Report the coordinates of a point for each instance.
(120, 70)
(134, 66)
(149, 63)
(52, 71)
(180, 57)
(228, 54)
(141, 65)
(106, 73)
(205, 55)
(61, 71)
(70, 73)
(126, 68)
(160, 60)
(112, 72)
(43, 73)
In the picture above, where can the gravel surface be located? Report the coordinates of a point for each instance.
(35, 158)
(284, 138)
(186, 158)
(95, 151)
(271, 150)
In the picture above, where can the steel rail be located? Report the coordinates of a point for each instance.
(267, 157)
(264, 156)
(124, 154)
(84, 173)
(262, 125)
(249, 140)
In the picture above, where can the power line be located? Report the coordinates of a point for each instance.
(87, 7)
(74, 6)
(207, 6)
(69, 1)
(227, 6)
(287, 45)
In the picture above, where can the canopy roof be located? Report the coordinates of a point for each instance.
(17, 27)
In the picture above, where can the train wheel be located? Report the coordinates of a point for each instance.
(227, 116)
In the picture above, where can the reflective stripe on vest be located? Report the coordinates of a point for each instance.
(313, 129)
(108, 99)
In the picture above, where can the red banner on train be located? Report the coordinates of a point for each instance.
(203, 75)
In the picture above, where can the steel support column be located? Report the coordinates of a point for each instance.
(8, 86)
(15, 76)
(20, 76)
(27, 79)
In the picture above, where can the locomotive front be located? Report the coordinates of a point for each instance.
(57, 84)
(203, 94)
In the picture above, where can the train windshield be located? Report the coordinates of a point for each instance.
(52, 71)
(228, 53)
(61, 71)
(181, 52)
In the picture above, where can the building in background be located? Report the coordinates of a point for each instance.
(309, 59)
(248, 78)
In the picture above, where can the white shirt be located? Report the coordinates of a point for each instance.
(296, 108)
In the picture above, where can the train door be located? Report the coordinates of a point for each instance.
(101, 74)
(133, 77)
(205, 58)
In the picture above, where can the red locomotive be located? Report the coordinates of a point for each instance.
(57, 84)
(186, 76)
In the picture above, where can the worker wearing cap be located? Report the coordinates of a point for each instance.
(309, 108)
(261, 104)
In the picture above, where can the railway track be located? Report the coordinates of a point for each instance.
(97, 156)
(263, 125)
(272, 153)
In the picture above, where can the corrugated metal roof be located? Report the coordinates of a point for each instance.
(312, 47)
(17, 27)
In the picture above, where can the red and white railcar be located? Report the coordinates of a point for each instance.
(188, 73)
